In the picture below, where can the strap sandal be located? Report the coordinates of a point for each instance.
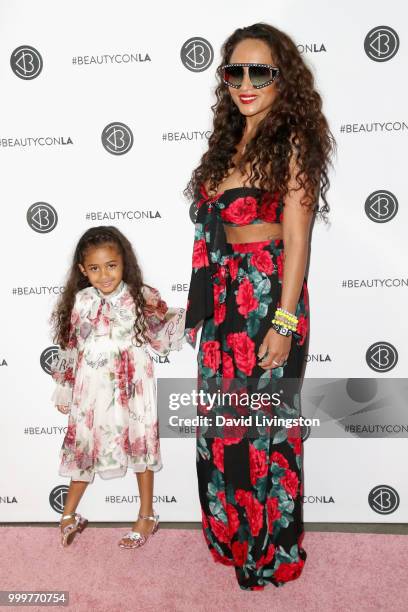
(68, 532)
(139, 539)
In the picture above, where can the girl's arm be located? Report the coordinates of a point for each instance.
(165, 326)
(63, 367)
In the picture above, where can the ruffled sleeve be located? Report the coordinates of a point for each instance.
(165, 327)
(64, 364)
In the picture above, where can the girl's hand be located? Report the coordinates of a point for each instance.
(275, 349)
(64, 409)
(155, 344)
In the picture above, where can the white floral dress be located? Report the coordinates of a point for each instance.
(108, 382)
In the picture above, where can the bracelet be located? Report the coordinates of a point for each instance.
(284, 324)
(286, 315)
(281, 329)
(285, 318)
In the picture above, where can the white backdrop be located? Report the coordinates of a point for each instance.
(131, 63)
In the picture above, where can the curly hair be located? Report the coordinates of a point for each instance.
(294, 130)
(132, 275)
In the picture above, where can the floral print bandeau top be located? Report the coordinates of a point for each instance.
(240, 206)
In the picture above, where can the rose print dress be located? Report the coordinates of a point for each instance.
(108, 381)
(249, 478)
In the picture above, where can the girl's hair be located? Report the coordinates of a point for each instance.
(295, 124)
(132, 275)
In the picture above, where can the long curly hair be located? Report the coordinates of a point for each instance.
(294, 130)
(132, 275)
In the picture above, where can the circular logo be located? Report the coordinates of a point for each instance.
(381, 43)
(383, 499)
(361, 390)
(26, 62)
(57, 498)
(305, 432)
(47, 357)
(117, 138)
(381, 206)
(197, 54)
(382, 356)
(193, 212)
(42, 217)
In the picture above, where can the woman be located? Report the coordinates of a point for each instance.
(256, 191)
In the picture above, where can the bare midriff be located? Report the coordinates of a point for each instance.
(253, 233)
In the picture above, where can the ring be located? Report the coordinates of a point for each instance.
(273, 361)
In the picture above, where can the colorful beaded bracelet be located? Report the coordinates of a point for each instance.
(284, 324)
(285, 314)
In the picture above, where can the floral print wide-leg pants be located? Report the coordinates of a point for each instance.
(251, 485)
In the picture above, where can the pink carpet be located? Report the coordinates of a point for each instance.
(175, 572)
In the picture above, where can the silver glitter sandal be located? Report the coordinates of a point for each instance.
(138, 539)
(68, 532)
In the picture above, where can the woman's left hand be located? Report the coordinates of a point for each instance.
(275, 349)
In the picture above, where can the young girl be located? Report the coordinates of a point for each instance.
(104, 322)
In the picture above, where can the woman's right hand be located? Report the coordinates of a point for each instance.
(64, 409)
(274, 350)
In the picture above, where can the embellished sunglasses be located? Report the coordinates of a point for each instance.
(260, 75)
